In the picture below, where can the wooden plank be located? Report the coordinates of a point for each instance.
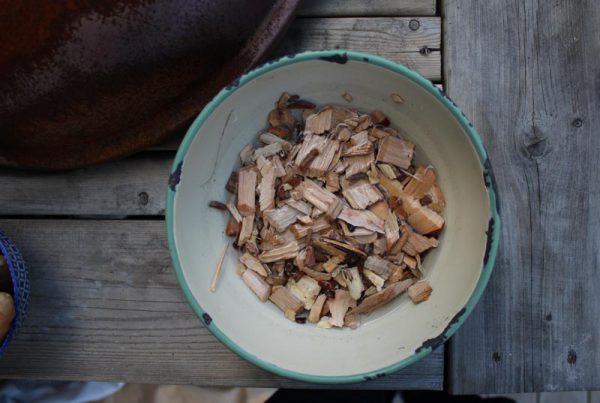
(388, 37)
(133, 186)
(371, 8)
(105, 305)
(528, 76)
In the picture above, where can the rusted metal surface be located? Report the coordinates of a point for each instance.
(90, 80)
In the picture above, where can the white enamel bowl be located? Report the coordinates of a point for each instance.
(393, 336)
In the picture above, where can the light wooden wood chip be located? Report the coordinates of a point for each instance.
(382, 297)
(281, 218)
(266, 188)
(396, 151)
(359, 164)
(246, 194)
(362, 218)
(246, 231)
(288, 251)
(285, 300)
(362, 195)
(420, 291)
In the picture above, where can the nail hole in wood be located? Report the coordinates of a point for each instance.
(143, 198)
(572, 357)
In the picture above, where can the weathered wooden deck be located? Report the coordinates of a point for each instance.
(105, 303)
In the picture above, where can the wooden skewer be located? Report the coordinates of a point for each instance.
(215, 278)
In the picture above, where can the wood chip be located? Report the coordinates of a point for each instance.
(316, 195)
(334, 209)
(246, 194)
(396, 151)
(281, 218)
(356, 232)
(356, 165)
(420, 291)
(278, 166)
(347, 97)
(362, 195)
(299, 205)
(270, 138)
(364, 122)
(317, 275)
(288, 251)
(344, 247)
(339, 306)
(378, 118)
(374, 278)
(232, 182)
(360, 138)
(380, 246)
(320, 122)
(396, 98)
(332, 263)
(256, 283)
(233, 227)
(234, 212)
(319, 165)
(397, 274)
(359, 149)
(344, 133)
(332, 181)
(253, 263)
(417, 243)
(392, 230)
(246, 230)
(425, 221)
(382, 297)
(300, 231)
(285, 300)
(246, 154)
(362, 218)
(438, 202)
(267, 151)
(317, 307)
(419, 185)
(266, 188)
(379, 266)
(306, 289)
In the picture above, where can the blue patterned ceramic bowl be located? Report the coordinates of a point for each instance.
(20, 286)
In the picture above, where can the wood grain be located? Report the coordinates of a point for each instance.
(527, 74)
(391, 38)
(353, 8)
(105, 305)
(133, 186)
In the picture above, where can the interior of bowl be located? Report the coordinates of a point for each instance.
(400, 332)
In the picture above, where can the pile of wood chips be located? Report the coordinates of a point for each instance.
(332, 218)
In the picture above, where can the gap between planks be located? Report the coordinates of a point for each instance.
(366, 8)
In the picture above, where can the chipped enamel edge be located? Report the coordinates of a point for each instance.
(493, 233)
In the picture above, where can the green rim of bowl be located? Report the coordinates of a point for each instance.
(341, 57)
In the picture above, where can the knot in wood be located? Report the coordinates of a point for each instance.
(537, 147)
(414, 25)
